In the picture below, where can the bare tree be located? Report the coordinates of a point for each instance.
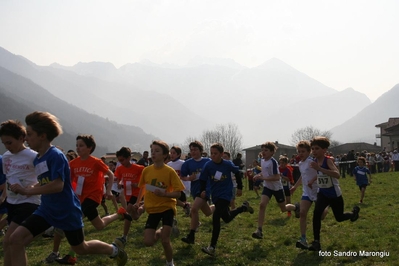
(308, 133)
(228, 135)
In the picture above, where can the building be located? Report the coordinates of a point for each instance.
(356, 146)
(251, 153)
(389, 134)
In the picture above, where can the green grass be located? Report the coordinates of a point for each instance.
(376, 230)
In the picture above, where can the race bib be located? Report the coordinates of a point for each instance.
(41, 168)
(218, 175)
(128, 188)
(324, 181)
(79, 185)
(284, 182)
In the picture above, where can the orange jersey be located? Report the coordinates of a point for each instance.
(130, 178)
(88, 176)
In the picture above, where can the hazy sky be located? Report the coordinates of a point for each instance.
(339, 43)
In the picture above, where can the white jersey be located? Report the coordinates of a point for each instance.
(19, 169)
(269, 168)
(176, 165)
(308, 174)
(233, 179)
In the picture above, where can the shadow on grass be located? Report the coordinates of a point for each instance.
(307, 258)
(278, 221)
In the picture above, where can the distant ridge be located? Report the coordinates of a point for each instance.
(22, 96)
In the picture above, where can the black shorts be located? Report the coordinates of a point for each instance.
(154, 219)
(362, 186)
(287, 192)
(257, 183)
(132, 200)
(3, 207)
(116, 194)
(182, 197)
(17, 213)
(279, 194)
(89, 208)
(37, 225)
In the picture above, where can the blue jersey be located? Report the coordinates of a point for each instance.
(62, 209)
(328, 186)
(190, 167)
(361, 175)
(219, 175)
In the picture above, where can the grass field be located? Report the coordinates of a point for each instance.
(375, 231)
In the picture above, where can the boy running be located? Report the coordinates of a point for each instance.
(218, 173)
(161, 186)
(360, 172)
(190, 171)
(309, 190)
(87, 174)
(130, 175)
(329, 193)
(60, 206)
(286, 179)
(271, 186)
(19, 169)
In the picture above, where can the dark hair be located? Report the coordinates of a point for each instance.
(361, 159)
(44, 123)
(304, 144)
(13, 128)
(283, 159)
(177, 149)
(125, 152)
(71, 155)
(89, 141)
(163, 145)
(322, 142)
(269, 145)
(197, 144)
(227, 153)
(218, 146)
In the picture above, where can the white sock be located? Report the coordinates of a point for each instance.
(114, 251)
(170, 263)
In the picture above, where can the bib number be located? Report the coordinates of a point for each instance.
(79, 186)
(128, 188)
(324, 181)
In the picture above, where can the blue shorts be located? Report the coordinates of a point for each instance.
(234, 193)
(306, 198)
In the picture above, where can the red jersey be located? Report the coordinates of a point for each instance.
(288, 173)
(88, 176)
(130, 178)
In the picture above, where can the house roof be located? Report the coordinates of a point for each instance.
(356, 146)
(279, 145)
(392, 121)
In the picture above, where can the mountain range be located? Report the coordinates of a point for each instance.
(149, 101)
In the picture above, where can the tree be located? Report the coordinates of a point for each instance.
(308, 133)
(228, 135)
